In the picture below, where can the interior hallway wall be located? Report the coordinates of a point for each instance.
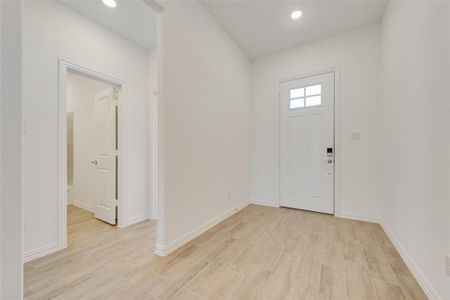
(11, 126)
(206, 96)
(81, 93)
(51, 32)
(415, 114)
(357, 54)
(152, 133)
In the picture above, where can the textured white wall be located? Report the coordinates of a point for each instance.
(11, 274)
(52, 31)
(357, 55)
(206, 98)
(415, 135)
(152, 133)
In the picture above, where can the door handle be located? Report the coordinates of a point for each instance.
(94, 162)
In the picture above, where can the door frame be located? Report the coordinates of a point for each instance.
(337, 130)
(64, 67)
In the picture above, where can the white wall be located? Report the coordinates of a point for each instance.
(152, 134)
(11, 274)
(51, 31)
(357, 55)
(415, 136)
(206, 98)
(81, 93)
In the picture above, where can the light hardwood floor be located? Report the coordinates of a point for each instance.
(259, 253)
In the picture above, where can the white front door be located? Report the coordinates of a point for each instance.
(105, 113)
(307, 143)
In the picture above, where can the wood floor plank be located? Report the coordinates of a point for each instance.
(359, 283)
(379, 266)
(387, 291)
(258, 253)
(332, 283)
(411, 288)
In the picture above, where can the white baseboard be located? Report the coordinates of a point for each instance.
(39, 252)
(357, 217)
(427, 287)
(84, 206)
(164, 250)
(264, 203)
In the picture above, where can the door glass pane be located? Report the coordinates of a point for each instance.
(314, 90)
(313, 101)
(297, 103)
(297, 93)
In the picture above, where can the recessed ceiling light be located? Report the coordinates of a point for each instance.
(296, 14)
(110, 3)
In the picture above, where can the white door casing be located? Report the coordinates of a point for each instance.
(105, 113)
(306, 138)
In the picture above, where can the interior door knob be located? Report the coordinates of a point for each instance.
(94, 162)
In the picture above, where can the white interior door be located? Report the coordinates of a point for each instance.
(307, 143)
(105, 113)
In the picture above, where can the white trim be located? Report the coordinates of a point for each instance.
(164, 250)
(40, 252)
(91, 73)
(429, 290)
(356, 217)
(262, 203)
(64, 67)
(337, 130)
(89, 208)
(122, 154)
(62, 156)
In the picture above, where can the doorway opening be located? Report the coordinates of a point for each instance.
(92, 146)
(91, 142)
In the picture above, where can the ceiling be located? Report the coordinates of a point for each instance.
(264, 27)
(127, 19)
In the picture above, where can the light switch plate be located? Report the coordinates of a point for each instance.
(447, 264)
